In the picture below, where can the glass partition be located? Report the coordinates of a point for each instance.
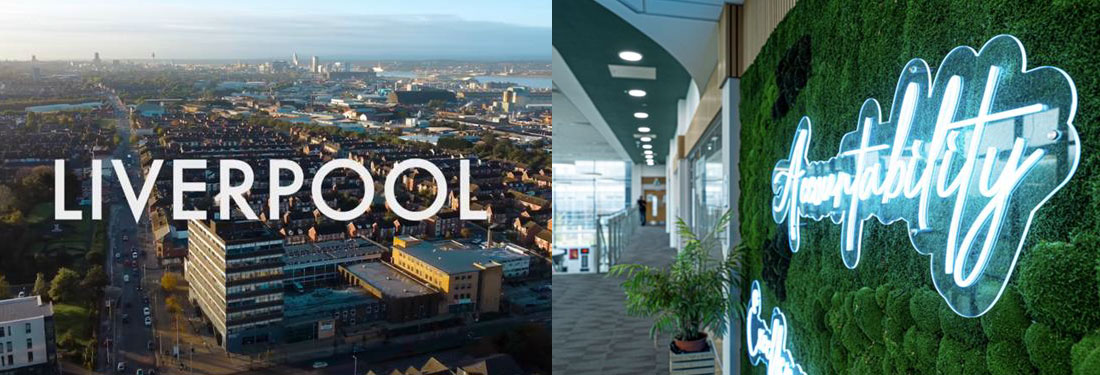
(584, 191)
(708, 184)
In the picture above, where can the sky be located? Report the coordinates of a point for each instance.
(232, 29)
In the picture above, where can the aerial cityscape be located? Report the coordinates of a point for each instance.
(294, 292)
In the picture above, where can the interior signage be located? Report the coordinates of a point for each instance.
(965, 159)
(768, 345)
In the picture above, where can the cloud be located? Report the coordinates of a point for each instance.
(187, 33)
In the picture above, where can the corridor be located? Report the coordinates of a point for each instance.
(592, 334)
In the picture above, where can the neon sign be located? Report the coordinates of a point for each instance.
(965, 159)
(768, 345)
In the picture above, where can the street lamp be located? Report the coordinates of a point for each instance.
(355, 366)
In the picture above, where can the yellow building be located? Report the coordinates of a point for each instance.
(468, 280)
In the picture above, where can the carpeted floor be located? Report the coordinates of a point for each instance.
(593, 334)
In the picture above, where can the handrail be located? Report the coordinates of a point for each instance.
(613, 232)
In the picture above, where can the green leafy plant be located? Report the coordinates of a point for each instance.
(692, 294)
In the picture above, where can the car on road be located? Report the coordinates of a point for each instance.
(125, 277)
(145, 299)
(125, 319)
(121, 366)
(149, 345)
(148, 321)
(140, 372)
(320, 364)
(118, 256)
(146, 311)
(133, 255)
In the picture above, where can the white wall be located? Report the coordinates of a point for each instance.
(18, 340)
(731, 157)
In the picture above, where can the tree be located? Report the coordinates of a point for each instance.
(37, 184)
(94, 256)
(95, 279)
(65, 287)
(41, 287)
(32, 120)
(5, 288)
(168, 282)
(8, 200)
(173, 305)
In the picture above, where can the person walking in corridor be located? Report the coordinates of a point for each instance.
(641, 209)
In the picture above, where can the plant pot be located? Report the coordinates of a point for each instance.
(692, 363)
(691, 346)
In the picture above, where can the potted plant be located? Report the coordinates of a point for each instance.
(690, 296)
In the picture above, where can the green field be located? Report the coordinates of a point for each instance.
(46, 245)
(72, 237)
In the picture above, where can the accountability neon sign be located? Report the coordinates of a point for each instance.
(768, 345)
(965, 159)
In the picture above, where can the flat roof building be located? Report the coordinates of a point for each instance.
(469, 279)
(235, 272)
(319, 313)
(312, 264)
(27, 336)
(404, 297)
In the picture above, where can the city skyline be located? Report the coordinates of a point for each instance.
(489, 30)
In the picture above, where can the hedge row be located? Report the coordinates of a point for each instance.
(885, 316)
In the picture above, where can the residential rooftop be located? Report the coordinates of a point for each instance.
(24, 308)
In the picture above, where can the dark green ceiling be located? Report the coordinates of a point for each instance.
(589, 37)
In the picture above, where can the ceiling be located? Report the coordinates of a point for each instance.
(686, 28)
(588, 38)
(575, 137)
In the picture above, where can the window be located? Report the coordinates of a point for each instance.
(2, 332)
(30, 343)
(11, 359)
(28, 327)
(9, 346)
(708, 184)
(30, 356)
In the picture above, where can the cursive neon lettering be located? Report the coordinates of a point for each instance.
(967, 160)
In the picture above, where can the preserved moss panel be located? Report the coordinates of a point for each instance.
(921, 349)
(1003, 358)
(1058, 286)
(1083, 355)
(956, 358)
(1007, 320)
(1049, 351)
(924, 307)
(965, 330)
(856, 51)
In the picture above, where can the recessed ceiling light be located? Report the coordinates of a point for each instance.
(636, 93)
(649, 152)
(646, 139)
(630, 56)
(641, 115)
(647, 147)
(643, 129)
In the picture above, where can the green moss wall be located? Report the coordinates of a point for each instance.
(885, 316)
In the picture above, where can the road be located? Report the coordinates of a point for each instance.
(126, 317)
